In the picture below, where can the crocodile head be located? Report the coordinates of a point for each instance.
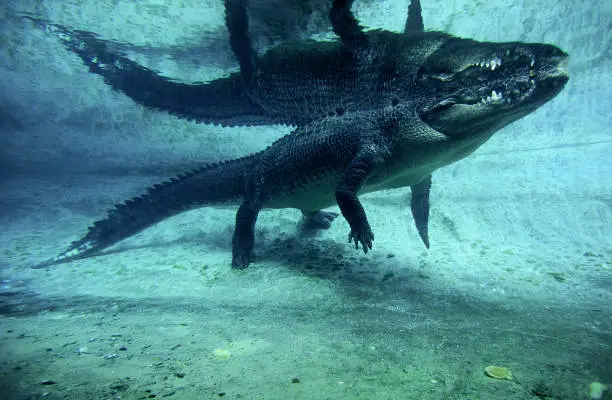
(476, 88)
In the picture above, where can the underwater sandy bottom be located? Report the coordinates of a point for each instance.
(164, 316)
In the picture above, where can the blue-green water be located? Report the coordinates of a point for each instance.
(518, 274)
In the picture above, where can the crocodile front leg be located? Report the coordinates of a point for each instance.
(244, 234)
(350, 206)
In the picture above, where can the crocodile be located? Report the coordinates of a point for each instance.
(373, 110)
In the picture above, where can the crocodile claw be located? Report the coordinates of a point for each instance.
(363, 236)
(241, 259)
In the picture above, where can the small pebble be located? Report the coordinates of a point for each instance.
(295, 380)
(221, 354)
(47, 382)
(123, 348)
(493, 371)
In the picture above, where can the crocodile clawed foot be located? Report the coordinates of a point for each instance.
(241, 258)
(363, 236)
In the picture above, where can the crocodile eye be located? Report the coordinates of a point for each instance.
(340, 111)
(395, 101)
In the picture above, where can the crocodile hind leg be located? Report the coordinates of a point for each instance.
(346, 25)
(244, 234)
(414, 22)
(246, 217)
(318, 219)
(237, 22)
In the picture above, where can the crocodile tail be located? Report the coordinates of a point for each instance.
(222, 101)
(213, 184)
